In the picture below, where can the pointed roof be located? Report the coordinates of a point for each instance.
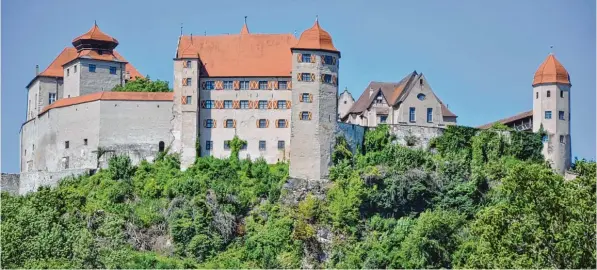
(315, 38)
(244, 30)
(390, 90)
(551, 71)
(95, 34)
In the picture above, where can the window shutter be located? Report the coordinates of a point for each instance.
(219, 85)
(298, 77)
(289, 85)
(288, 104)
(313, 58)
(215, 122)
(254, 85)
(220, 104)
(333, 60)
(275, 104)
(184, 81)
(234, 123)
(310, 117)
(184, 63)
(310, 97)
(301, 98)
(235, 104)
(286, 123)
(270, 104)
(257, 123)
(183, 100)
(266, 123)
(299, 57)
(256, 104)
(276, 85)
(203, 85)
(321, 78)
(236, 85)
(204, 123)
(322, 59)
(203, 104)
(278, 123)
(312, 77)
(334, 80)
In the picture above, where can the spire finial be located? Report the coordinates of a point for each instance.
(95, 22)
(551, 49)
(181, 29)
(245, 19)
(316, 18)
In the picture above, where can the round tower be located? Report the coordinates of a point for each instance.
(315, 63)
(551, 111)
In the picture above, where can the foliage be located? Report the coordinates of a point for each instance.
(143, 85)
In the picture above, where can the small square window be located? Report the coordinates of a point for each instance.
(75, 69)
(84, 141)
(306, 77)
(282, 85)
(429, 115)
(262, 123)
(562, 140)
(209, 104)
(226, 145)
(304, 115)
(281, 104)
(91, 68)
(411, 114)
(209, 123)
(227, 104)
(262, 85)
(244, 146)
(189, 81)
(545, 138)
(51, 98)
(189, 63)
(561, 93)
(548, 93)
(189, 100)
(561, 115)
(209, 85)
(112, 70)
(261, 145)
(383, 119)
(281, 123)
(244, 85)
(547, 114)
(328, 60)
(66, 144)
(263, 104)
(229, 123)
(281, 145)
(228, 85)
(209, 145)
(244, 104)
(306, 58)
(306, 98)
(67, 72)
(536, 95)
(327, 78)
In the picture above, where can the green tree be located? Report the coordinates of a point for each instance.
(143, 85)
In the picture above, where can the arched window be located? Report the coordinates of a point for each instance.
(161, 146)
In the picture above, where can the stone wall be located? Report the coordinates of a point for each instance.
(31, 181)
(10, 183)
(415, 136)
(354, 134)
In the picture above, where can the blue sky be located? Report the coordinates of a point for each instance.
(479, 56)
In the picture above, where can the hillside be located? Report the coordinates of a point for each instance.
(474, 200)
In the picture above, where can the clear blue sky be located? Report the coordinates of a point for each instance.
(479, 56)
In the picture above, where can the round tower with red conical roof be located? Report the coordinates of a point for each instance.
(551, 111)
(315, 104)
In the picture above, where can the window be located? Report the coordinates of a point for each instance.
(189, 63)
(411, 114)
(281, 145)
(562, 139)
(228, 85)
(306, 98)
(327, 78)
(421, 96)
(66, 144)
(304, 115)
(379, 98)
(282, 85)
(85, 142)
(161, 146)
(561, 115)
(306, 77)
(548, 93)
(226, 145)
(244, 104)
(244, 146)
(536, 95)
(229, 123)
(34, 147)
(227, 104)
(281, 104)
(91, 68)
(328, 60)
(66, 162)
(188, 81)
(281, 123)
(100, 52)
(261, 145)
(189, 100)
(545, 138)
(262, 123)
(67, 72)
(209, 123)
(209, 145)
(244, 85)
(112, 70)
(263, 104)
(262, 85)
(51, 98)
(209, 85)
(383, 119)
(429, 115)
(209, 104)
(561, 93)
(75, 69)
(547, 114)
(306, 58)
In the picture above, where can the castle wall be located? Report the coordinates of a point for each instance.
(92, 82)
(31, 181)
(415, 136)
(72, 79)
(354, 135)
(10, 183)
(32, 99)
(246, 122)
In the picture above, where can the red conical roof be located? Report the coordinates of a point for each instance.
(95, 34)
(244, 30)
(315, 38)
(551, 71)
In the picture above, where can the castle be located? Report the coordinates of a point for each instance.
(276, 92)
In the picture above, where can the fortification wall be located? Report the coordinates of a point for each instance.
(31, 181)
(415, 136)
(354, 134)
(10, 183)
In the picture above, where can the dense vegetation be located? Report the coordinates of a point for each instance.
(476, 200)
(143, 85)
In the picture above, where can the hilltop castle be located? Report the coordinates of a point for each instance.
(276, 92)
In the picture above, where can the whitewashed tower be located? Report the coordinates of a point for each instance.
(551, 110)
(315, 104)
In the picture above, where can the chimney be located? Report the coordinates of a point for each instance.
(370, 91)
(36, 70)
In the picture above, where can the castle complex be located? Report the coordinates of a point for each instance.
(276, 92)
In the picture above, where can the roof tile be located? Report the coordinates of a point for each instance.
(132, 96)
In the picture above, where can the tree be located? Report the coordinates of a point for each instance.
(143, 85)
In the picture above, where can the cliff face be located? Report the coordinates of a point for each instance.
(10, 183)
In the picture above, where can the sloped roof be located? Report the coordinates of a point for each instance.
(390, 90)
(551, 71)
(109, 95)
(315, 38)
(508, 120)
(246, 54)
(95, 34)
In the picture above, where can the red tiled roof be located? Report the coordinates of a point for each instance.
(390, 90)
(315, 38)
(508, 120)
(131, 96)
(551, 71)
(446, 111)
(95, 34)
(245, 54)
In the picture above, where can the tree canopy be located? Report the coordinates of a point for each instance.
(143, 85)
